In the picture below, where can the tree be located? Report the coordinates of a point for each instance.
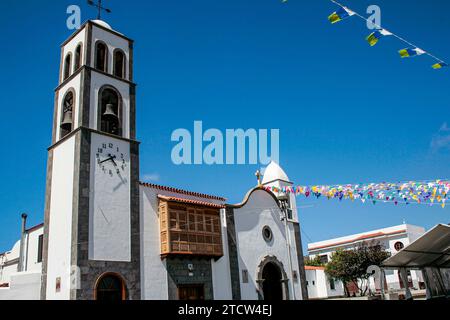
(315, 262)
(351, 265)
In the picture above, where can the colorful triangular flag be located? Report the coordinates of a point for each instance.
(376, 35)
(439, 65)
(410, 52)
(340, 14)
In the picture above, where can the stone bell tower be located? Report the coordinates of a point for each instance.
(91, 235)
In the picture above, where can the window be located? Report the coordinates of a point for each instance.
(101, 57)
(398, 245)
(77, 57)
(244, 276)
(40, 248)
(332, 284)
(67, 62)
(267, 234)
(67, 114)
(119, 64)
(189, 230)
(288, 209)
(313, 283)
(323, 258)
(110, 110)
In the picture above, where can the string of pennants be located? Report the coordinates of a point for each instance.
(411, 51)
(412, 192)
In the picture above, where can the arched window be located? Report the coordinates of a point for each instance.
(101, 56)
(77, 57)
(110, 287)
(67, 62)
(110, 111)
(119, 64)
(67, 114)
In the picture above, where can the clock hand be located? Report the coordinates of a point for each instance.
(110, 158)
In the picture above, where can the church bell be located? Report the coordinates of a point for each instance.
(66, 124)
(109, 112)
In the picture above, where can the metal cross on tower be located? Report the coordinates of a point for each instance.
(99, 7)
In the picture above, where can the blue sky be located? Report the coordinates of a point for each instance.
(347, 113)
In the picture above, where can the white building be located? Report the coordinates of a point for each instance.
(107, 235)
(392, 239)
(320, 286)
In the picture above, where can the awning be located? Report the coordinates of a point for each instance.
(432, 249)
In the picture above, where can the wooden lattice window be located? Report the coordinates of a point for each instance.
(187, 229)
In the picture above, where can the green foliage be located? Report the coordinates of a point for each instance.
(351, 265)
(315, 262)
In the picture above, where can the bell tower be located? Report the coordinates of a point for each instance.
(92, 190)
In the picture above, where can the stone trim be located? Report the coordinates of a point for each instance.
(92, 69)
(90, 23)
(132, 114)
(48, 191)
(247, 197)
(91, 130)
(284, 278)
(233, 256)
(301, 263)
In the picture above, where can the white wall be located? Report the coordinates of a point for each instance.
(319, 285)
(221, 275)
(262, 210)
(23, 286)
(153, 269)
(31, 250)
(109, 206)
(60, 227)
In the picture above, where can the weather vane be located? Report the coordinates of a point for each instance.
(99, 7)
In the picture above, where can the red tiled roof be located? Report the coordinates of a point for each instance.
(189, 201)
(186, 192)
(35, 227)
(314, 268)
(363, 237)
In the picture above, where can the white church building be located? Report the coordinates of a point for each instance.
(106, 235)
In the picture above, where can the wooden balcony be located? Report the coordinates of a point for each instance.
(189, 229)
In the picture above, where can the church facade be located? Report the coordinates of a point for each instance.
(108, 236)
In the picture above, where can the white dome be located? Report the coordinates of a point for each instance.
(274, 172)
(102, 23)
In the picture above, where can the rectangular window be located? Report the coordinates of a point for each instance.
(244, 276)
(40, 248)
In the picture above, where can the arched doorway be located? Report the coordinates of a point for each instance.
(272, 279)
(272, 287)
(110, 287)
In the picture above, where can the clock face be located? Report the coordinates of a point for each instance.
(111, 159)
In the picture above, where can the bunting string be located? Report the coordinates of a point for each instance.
(430, 193)
(344, 12)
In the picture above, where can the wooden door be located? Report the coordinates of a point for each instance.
(191, 292)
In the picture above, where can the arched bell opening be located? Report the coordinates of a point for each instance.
(68, 104)
(110, 110)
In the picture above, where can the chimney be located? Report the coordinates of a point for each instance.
(21, 265)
